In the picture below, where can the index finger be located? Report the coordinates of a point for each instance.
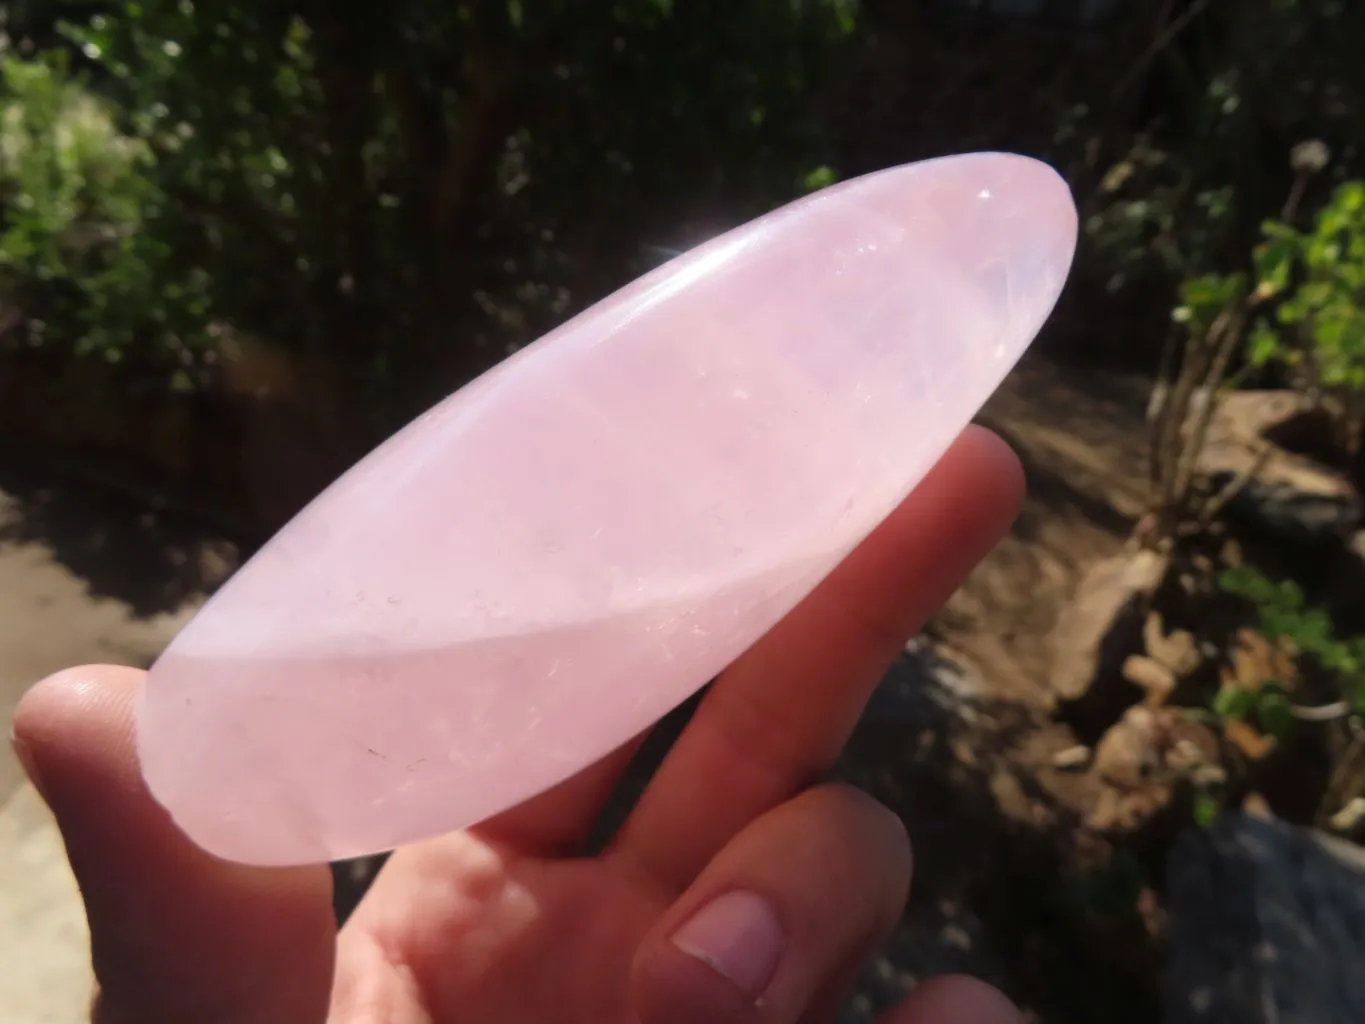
(776, 720)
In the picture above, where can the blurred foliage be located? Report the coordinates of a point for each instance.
(1232, 89)
(81, 214)
(1285, 618)
(1317, 279)
(1260, 125)
(1299, 303)
(367, 180)
(410, 190)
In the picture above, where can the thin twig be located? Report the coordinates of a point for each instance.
(1230, 322)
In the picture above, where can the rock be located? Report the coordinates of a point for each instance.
(1208, 775)
(1293, 513)
(1126, 812)
(1267, 924)
(956, 936)
(1154, 678)
(1131, 751)
(1177, 650)
(1102, 624)
(1072, 758)
(1153, 745)
(1350, 818)
(1356, 545)
(1289, 497)
(1195, 750)
(1257, 806)
(921, 686)
(1255, 414)
(1187, 755)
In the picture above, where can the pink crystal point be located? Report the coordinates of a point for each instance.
(544, 564)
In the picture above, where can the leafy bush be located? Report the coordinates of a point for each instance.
(1301, 303)
(79, 252)
(406, 190)
(1301, 631)
(1317, 281)
(1229, 88)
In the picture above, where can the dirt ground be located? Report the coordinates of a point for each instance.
(1082, 440)
(961, 751)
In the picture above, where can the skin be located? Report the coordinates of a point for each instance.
(506, 923)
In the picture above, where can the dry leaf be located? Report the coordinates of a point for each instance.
(1246, 739)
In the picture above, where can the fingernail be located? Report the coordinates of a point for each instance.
(24, 756)
(738, 935)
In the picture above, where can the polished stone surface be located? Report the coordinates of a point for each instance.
(543, 565)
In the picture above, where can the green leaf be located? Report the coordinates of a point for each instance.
(1274, 261)
(821, 177)
(1206, 809)
(1263, 346)
(1275, 713)
(1233, 703)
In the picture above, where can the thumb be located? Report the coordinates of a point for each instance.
(176, 934)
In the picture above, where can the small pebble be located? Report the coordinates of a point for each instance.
(1071, 757)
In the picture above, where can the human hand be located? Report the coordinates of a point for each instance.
(741, 888)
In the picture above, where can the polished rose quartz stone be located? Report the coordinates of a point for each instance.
(543, 565)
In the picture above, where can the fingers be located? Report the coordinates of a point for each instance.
(176, 935)
(558, 821)
(798, 896)
(778, 717)
(954, 1000)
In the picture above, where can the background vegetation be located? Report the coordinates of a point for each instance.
(407, 191)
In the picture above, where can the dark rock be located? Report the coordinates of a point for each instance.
(1291, 497)
(1267, 926)
(1293, 513)
(922, 686)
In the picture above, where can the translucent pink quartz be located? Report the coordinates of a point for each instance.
(544, 564)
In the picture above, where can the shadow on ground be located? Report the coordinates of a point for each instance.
(154, 560)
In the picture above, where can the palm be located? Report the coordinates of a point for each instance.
(452, 930)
